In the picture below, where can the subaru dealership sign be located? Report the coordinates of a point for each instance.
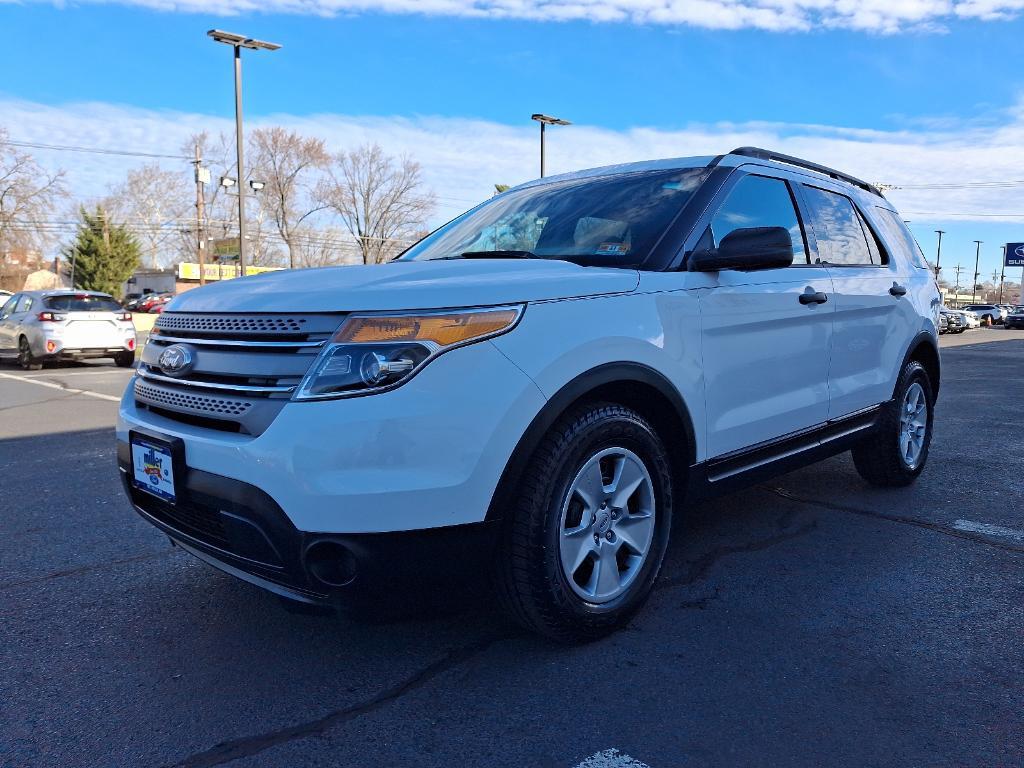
(1015, 254)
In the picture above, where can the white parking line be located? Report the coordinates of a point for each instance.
(989, 530)
(75, 372)
(611, 758)
(69, 390)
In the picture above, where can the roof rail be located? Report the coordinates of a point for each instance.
(767, 154)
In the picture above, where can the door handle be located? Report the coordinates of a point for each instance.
(813, 297)
(898, 290)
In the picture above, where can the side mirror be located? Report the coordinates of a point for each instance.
(750, 248)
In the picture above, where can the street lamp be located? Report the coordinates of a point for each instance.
(938, 252)
(238, 42)
(544, 121)
(977, 255)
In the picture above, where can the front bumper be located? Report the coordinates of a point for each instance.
(428, 454)
(240, 530)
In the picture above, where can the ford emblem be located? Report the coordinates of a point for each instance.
(176, 360)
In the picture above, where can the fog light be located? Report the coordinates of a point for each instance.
(131, 344)
(51, 346)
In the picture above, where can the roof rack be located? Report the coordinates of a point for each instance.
(767, 154)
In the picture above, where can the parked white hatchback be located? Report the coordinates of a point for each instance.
(40, 326)
(533, 391)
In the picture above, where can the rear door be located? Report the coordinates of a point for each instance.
(765, 351)
(874, 320)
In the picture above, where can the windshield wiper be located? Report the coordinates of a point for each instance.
(499, 255)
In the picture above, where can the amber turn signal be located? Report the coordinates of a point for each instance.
(443, 329)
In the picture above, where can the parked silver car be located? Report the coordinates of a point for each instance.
(36, 326)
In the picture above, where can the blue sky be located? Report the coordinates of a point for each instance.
(898, 93)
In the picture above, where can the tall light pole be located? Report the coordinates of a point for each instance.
(238, 42)
(546, 120)
(938, 252)
(977, 255)
(1002, 276)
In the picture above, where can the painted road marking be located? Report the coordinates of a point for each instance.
(75, 373)
(989, 530)
(611, 758)
(69, 390)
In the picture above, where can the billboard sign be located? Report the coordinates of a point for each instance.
(1014, 255)
(189, 270)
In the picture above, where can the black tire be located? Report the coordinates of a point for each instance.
(530, 580)
(26, 359)
(124, 359)
(878, 458)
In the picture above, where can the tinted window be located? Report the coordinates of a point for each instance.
(837, 228)
(757, 201)
(82, 303)
(25, 304)
(896, 233)
(605, 220)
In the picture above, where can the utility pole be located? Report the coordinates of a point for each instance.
(977, 256)
(202, 177)
(1002, 275)
(956, 288)
(938, 252)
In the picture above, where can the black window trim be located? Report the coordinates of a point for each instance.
(722, 194)
(864, 221)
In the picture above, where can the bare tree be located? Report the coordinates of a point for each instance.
(156, 205)
(380, 200)
(218, 153)
(28, 195)
(287, 163)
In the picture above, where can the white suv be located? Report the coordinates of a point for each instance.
(535, 389)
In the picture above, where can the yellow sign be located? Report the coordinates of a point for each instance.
(189, 270)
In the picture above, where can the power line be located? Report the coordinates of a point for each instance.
(92, 150)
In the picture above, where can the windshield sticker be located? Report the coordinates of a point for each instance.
(612, 249)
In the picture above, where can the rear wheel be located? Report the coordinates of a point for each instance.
(124, 359)
(584, 539)
(896, 453)
(25, 357)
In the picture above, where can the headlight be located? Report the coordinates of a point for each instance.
(373, 352)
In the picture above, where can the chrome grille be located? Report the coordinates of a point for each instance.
(216, 406)
(245, 366)
(231, 324)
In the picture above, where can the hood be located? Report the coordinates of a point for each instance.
(406, 285)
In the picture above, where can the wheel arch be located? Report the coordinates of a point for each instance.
(924, 350)
(634, 385)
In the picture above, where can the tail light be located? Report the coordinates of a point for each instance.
(51, 317)
(51, 346)
(131, 345)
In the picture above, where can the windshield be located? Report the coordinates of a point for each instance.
(610, 221)
(81, 303)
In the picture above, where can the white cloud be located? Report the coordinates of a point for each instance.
(462, 158)
(880, 16)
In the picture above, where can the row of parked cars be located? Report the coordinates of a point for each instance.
(976, 315)
(148, 302)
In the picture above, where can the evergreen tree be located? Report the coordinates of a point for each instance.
(103, 255)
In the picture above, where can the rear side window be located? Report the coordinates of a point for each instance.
(838, 230)
(81, 303)
(898, 236)
(25, 304)
(758, 201)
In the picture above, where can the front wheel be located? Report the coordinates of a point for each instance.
(585, 537)
(897, 451)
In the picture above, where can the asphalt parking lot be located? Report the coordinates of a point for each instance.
(809, 621)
